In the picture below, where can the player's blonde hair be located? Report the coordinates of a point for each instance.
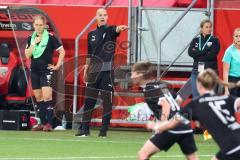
(209, 80)
(41, 17)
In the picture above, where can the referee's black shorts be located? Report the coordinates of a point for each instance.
(41, 79)
(164, 141)
(222, 156)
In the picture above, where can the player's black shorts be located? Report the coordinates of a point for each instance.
(166, 140)
(222, 156)
(41, 79)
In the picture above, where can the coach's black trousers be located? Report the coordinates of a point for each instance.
(102, 83)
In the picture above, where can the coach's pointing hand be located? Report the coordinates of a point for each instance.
(121, 28)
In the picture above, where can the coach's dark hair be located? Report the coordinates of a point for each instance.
(39, 16)
(146, 68)
(204, 22)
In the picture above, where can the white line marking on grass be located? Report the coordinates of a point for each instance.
(78, 139)
(82, 139)
(110, 157)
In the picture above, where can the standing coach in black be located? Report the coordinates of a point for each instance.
(98, 72)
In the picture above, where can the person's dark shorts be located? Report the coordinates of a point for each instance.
(41, 79)
(222, 156)
(164, 141)
(234, 91)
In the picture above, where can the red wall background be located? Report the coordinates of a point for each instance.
(226, 20)
(70, 20)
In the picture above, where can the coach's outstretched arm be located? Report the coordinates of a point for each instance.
(121, 28)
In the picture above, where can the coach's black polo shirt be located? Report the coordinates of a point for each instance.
(42, 62)
(101, 46)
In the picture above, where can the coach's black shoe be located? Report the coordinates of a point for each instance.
(83, 130)
(82, 133)
(102, 134)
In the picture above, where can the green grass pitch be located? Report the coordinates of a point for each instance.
(62, 145)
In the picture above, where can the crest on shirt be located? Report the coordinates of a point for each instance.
(209, 44)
